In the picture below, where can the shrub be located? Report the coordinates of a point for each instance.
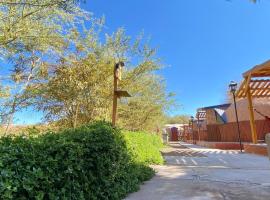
(90, 162)
(144, 147)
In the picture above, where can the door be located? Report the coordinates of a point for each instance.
(174, 135)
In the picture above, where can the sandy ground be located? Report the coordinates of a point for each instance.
(197, 173)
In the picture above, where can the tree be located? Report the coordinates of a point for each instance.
(35, 24)
(178, 119)
(31, 33)
(65, 70)
(81, 90)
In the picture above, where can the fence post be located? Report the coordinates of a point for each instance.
(267, 140)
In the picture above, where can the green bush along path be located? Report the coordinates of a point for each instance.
(144, 147)
(95, 161)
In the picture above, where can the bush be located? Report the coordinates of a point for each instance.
(90, 162)
(144, 147)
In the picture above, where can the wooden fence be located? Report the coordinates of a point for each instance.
(228, 132)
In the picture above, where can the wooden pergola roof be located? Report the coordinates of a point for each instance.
(257, 87)
(262, 70)
(256, 84)
(201, 115)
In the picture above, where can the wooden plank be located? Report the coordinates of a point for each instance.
(114, 109)
(247, 87)
(255, 87)
(121, 93)
(252, 118)
(258, 88)
(263, 85)
(259, 70)
(240, 91)
(260, 80)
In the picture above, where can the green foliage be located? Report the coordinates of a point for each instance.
(144, 147)
(33, 35)
(81, 89)
(90, 162)
(35, 25)
(62, 65)
(178, 119)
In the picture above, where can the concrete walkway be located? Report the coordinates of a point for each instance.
(197, 173)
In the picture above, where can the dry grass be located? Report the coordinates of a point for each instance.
(16, 130)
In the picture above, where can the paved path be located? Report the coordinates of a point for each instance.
(197, 173)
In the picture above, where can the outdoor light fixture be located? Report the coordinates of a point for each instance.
(191, 121)
(118, 70)
(117, 76)
(233, 87)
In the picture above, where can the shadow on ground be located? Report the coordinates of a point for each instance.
(197, 173)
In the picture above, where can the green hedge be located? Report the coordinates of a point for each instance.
(144, 147)
(90, 162)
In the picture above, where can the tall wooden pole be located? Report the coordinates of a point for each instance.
(193, 139)
(237, 121)
(198, 126)
(252, 118)
(115, 84)
(117, 76)
(199, 131)
(250, 108)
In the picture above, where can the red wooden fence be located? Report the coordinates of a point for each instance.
(228, 132)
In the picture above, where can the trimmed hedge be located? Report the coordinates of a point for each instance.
(144, 147)
(90, 162)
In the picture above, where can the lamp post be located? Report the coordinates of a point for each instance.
(191, 122)
(117, 75)
(233, 87)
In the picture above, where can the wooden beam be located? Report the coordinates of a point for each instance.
(251, 117)
(258, 88)
(239, 92)
(122, 93)
(260, 80)
(247, 83)
(255, 71)
(114, 110)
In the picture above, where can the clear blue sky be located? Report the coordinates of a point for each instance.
(204, 43)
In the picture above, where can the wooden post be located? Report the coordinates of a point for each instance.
(251, 116)
(115, 84)
(117, 75)
(193, 139)
(199, 132)
(198, 126)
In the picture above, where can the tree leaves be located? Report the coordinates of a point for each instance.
(81, 90)
(66, 70)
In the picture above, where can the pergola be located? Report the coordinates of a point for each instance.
(201, 115)
(256, 84)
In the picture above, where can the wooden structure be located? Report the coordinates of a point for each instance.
(213, 114)
(201, 115)
(256, 84)
(228, 132)
(117, 93)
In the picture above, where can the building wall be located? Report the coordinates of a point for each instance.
(211, 116)
(262, 105)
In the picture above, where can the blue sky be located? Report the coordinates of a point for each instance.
(204, 43)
